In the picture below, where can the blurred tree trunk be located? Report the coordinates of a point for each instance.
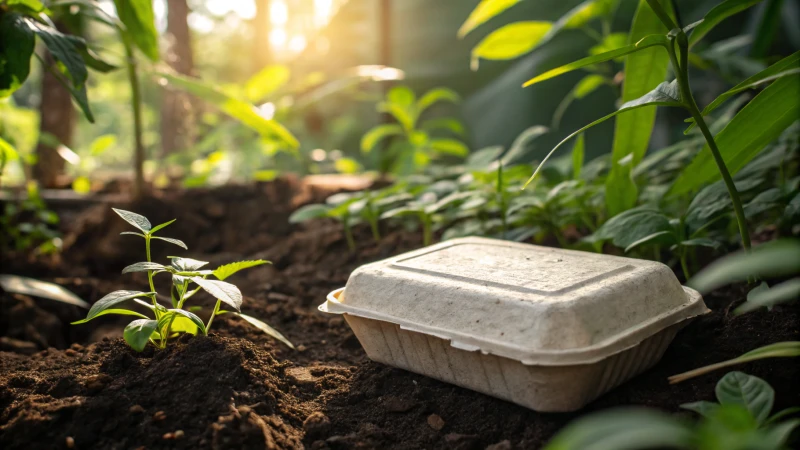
(176, 107)
(58, 119)
(261, 27)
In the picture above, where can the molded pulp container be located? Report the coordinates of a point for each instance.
(546, 328)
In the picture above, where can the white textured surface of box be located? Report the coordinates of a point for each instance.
(546, 328)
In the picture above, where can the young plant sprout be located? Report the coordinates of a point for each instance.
(426, 207)
(188, 278)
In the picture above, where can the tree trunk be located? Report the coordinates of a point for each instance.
(262, 54)
(58, 119)
(176, 107)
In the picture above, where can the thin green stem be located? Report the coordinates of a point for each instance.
(682, 74)
(373, 224)
(684, 265)
(213, 314)
(348, 234)
(427, 232)
(150, 272)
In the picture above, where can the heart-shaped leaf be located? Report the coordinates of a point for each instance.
(703, 408)
(222, 291)
(134, 219)
(138, 332)
(227, 270)
(143, 266)
(112, 299)
(751, 392)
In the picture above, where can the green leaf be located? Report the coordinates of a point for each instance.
(140, 27)
(760, 122)
(753, 393)
(436, 95)
(485, 10)
(309, 212)
(665, 94)
(143, 267)
(623, 429)
(644, 43)
(347, 166)
(611, 42)
(449, 147)
(712, 201)
(587, 85)
(93, 61)
(621, 190)
(703, 408)
(401, 113)
(38, 288)
(631, 226)
(266, 329)
(221, 290)
(784, 292)
(701, 242)
(785, 67)
(523, 144)
(665, 237)
(186, 264)
(133, 233)
(772, 259)
(138, 333)
(643, 71)
(113, 299)
(158, 227)
(792, 211)
(717, 15)
(266, 82)
(789, 349)
(16, 48)
(134, 219)
(583, 14)
(242, 111)
(443, 123)
(177, 242)
(510, 41)
(577, 157)
(378, 133)
(224, 271)
(102, 143)
(402, 96)
(121, 312)
(196, 321)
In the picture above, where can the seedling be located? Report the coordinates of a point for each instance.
(426, 207)
(739, 420)
(413, 142)
(188, 278)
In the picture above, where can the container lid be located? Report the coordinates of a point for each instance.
(538, 305)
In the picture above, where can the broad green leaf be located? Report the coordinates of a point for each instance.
(221, 290)
(177, 242)
(93, 61)
(631, 226)
(510, 41)
(436, 95)
(242, 111)
(139, 20)
(224, 271)
(113, 299)
(196, 321)
(309, 212)
(665, 94)
(717, 15)
(577, 157)
(522, 144)
(784, 292)
(160, 226)
(765, 201)
(753, 393)
(121, 312)
(266, 329)
(760, 122)
(773, 259)
(712, 201)
(665, 237)
(347, 166)
(16, 48)
(138, 333)
(449, 147)
(621, 190)
(703, 408)
(443, 123)
(644, 71)
(378, 133)
(623, 429)
(583, 14)
(785, 67)
(186, 264)
(644, 43)
(485, 10)
(143, 267)
(134, 219)
(788, 349)
(266, 82)
(402, 96)
(401, 113)
(38, 288)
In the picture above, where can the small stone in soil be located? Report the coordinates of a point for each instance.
(435, 422)
(178, 434)
(160, 415)
(168, 436)
(317, 425)
(70, 442)
(136, 409)
(300, 375)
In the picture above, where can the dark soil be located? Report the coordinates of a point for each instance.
(238, 388)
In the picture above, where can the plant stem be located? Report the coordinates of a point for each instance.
(501, 198)
(136, 105)
(376, 234)
(211, 319)
(150, 273)
(684, 265)
(427, 234)
(682, 73)
(348, 234)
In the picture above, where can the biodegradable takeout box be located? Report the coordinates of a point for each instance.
(546, 328)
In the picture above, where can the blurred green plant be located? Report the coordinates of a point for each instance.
(28, 224)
